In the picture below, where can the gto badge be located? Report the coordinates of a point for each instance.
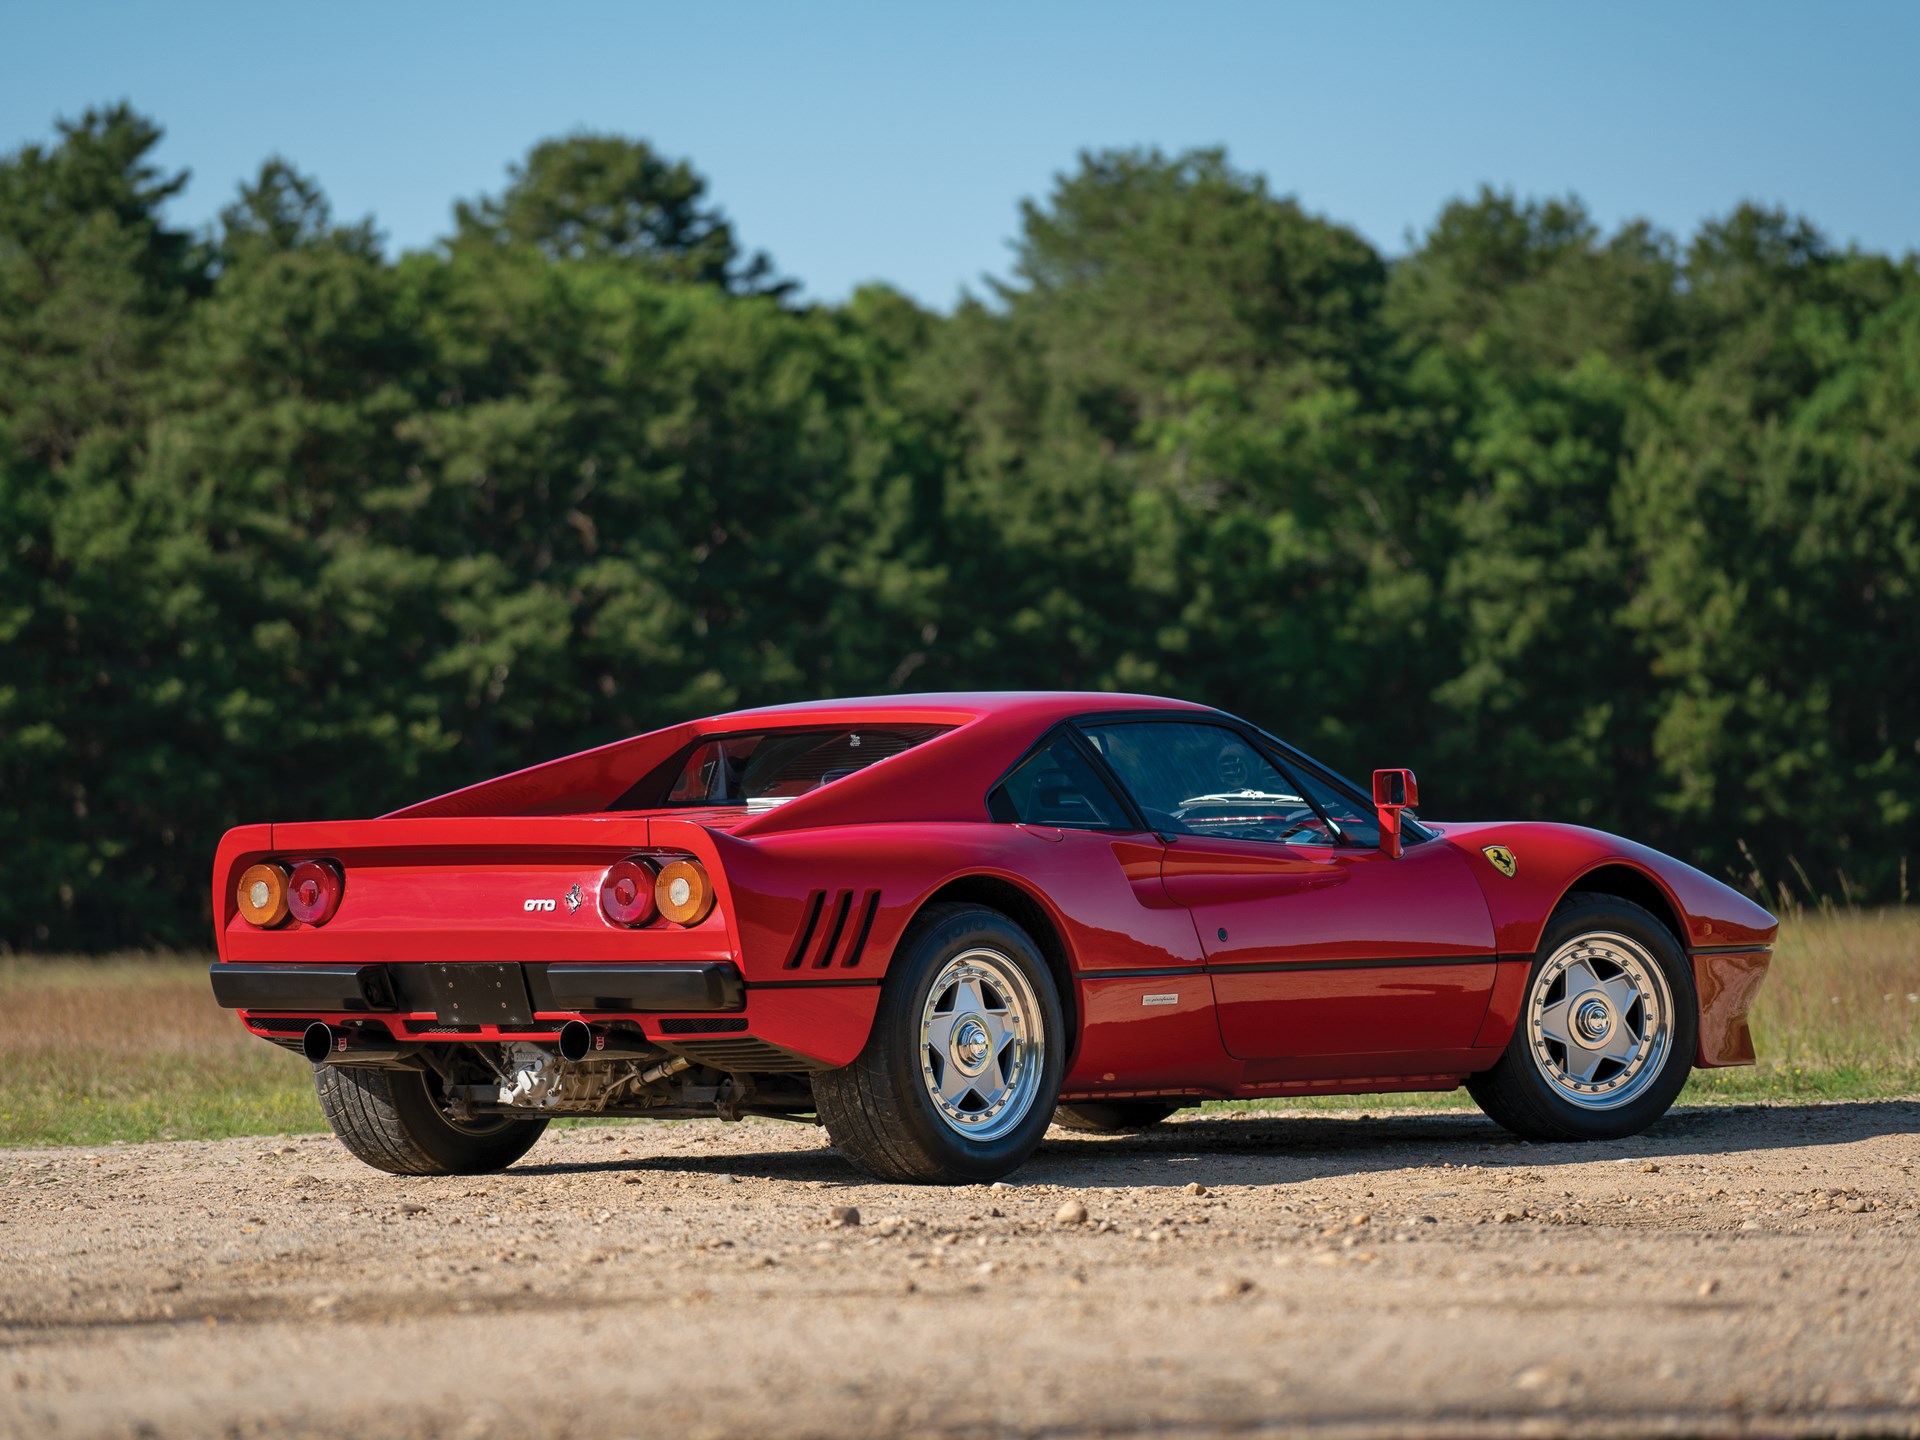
(532, 906)
(1501, 858)
(574, 898)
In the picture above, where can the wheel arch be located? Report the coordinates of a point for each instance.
(1629, 882)
(1031, 914)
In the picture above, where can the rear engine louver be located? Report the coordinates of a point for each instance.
(834, 929)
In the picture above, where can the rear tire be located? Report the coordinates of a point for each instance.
(1606, 1032)
(1111, 1117)
(392, 1121)
(960, 1073)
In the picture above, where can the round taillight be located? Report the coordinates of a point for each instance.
(683, 892)
(262, 895)
(626, 893)
(313, 892)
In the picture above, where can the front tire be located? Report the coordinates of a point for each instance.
(960, 1074)
(1606, 1032)
(393, 1121)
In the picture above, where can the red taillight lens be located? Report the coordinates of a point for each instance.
(262, 895)
(313, 892)
(683, 892)
(626, 893)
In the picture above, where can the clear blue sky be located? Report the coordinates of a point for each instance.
(895, 141)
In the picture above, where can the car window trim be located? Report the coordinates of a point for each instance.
(1217, 719)
(1064, 729)
(1412, 832)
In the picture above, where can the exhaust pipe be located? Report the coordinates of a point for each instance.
(581, 1041)
(324, 1045)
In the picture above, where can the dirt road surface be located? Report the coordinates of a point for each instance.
(1739, 1271)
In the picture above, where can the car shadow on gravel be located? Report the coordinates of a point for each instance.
(1258, 1149)
(1289, 1149)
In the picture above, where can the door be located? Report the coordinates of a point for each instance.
(1328, 958)
(1142, 998)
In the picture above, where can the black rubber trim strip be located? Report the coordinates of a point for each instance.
(1731, 950)
(1139, 974)
(238, 985)
(824, 983)
(711, 985)
(1277, 967)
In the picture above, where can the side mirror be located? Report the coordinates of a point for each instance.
(1393, 791)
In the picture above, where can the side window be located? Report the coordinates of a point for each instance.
(1198, 779)
(1058, 787)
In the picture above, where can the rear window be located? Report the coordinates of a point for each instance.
(770, 767)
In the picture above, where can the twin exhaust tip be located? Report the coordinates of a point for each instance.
(580, 1041)
(323, 1044)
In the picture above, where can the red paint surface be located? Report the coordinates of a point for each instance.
(448, 880)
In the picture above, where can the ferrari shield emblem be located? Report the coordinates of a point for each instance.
(575, 898)
(1501, 858)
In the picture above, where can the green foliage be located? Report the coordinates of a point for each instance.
(1584, 525)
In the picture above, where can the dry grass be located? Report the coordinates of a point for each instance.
(133, 1047)
(1839, 1014)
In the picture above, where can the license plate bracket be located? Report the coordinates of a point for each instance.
(471, 993)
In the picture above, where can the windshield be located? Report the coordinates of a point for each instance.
(770, 767)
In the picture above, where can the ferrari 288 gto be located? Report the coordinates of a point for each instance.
(937, 923)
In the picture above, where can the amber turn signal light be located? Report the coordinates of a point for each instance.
(313, 891)
(262, 895)
(683, 892)
(626, 892)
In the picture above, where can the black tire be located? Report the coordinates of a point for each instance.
(1516, 1094)
(391, 1120)
(878, 1111)
(1111, 1117)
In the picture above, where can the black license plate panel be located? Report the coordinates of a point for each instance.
(475, 994)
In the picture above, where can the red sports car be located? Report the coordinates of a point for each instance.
(939, 922)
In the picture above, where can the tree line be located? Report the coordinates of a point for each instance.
(1608, 527)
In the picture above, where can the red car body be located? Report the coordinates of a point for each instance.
(1189, 967)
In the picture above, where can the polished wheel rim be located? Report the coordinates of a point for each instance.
(1600, 1021)
(981, 1045)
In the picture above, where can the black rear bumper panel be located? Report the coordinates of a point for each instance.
(677, 988)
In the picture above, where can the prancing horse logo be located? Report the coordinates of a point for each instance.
(574, 899)
(1501, 858)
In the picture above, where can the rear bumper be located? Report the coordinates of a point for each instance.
(512, 993)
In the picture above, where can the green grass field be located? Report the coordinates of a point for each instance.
(133, 1047)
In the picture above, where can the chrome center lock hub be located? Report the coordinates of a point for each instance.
(1592, 1020)
(972, 1045)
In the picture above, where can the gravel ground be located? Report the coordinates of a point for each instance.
(1751, 1270)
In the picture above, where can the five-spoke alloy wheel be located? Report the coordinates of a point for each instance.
(961, 1071)
(980, 1044)
(1607, 1027)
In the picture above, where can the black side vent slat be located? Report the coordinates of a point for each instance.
(859, 945)
(798, 953)
(703, 1025)
(840, 911)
